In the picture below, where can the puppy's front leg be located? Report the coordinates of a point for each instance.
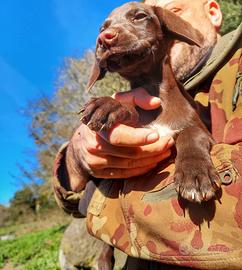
(195, 176)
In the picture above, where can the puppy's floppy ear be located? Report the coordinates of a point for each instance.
(180, 28)
(97, 73)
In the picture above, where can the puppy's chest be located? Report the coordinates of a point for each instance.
(155, 121)
(164, 129)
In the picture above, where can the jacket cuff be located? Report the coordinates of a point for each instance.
(227, 160)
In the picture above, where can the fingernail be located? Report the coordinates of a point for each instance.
(155, 100)
(152, 137)
(170, 142)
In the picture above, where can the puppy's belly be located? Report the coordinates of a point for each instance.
(164, 130)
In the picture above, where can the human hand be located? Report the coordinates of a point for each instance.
(125, 151)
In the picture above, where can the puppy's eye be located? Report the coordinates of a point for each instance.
(101, 29)
(140, 16)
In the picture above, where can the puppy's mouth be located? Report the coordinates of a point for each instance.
(115, 61)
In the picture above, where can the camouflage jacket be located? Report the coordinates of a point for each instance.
(143, 217)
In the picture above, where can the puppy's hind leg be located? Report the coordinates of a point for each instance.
(106, 258)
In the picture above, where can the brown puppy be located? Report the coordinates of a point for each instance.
(134, 41)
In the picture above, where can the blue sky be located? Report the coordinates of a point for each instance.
(35, 38)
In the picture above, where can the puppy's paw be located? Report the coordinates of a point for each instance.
(105, 112)
(196, 179)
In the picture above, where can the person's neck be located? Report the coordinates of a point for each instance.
(198, 66)
(201, 62)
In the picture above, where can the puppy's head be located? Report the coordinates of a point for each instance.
(133, 38)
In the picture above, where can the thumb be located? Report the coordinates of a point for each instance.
(138, 97)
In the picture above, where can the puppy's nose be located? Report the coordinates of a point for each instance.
(108, 38)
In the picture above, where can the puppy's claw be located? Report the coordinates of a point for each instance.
(102, 127)
(90, 125)
(81, 110)
(82, 118)
(217, 184)
(218, 199)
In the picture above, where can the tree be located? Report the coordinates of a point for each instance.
(232, 14)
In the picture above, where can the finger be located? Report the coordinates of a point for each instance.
(160, 146)
(102, 162)
(138, 97)
(95, 145)
(112, 173)
(101, 148)
(123, 135)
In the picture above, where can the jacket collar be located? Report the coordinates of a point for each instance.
(222, 50)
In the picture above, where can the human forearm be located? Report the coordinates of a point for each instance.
(77, 175)
(67, 199)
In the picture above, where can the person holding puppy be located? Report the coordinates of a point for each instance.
(154, 227)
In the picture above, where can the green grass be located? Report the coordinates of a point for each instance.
(33, 251)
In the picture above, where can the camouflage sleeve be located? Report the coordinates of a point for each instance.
(226, 113)
(65, 198)
(227, 155)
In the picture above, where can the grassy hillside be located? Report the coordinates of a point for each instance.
(33, 251)
(36, 242)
